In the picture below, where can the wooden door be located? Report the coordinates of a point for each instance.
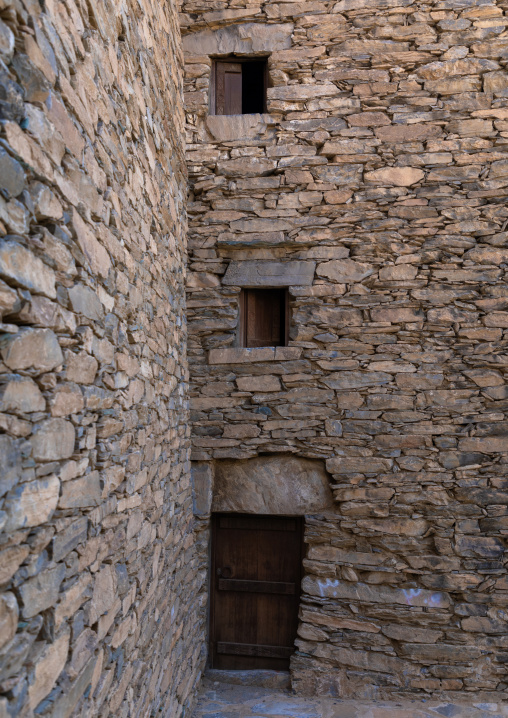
(228, 88)
(256, 575)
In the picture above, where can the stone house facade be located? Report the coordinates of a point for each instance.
(372, 187)
(370, 193)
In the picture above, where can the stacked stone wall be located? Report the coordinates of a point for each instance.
(99, 606)
(381, 167)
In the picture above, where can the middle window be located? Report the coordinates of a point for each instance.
(264, 320)
(239, 86)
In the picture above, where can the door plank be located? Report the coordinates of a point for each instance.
(262, 523)
(228, 88)
(233, 584)
(249, 649)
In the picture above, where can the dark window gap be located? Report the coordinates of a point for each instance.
(253, 87)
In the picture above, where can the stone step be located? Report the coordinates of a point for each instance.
(259, 678)
(217, 699)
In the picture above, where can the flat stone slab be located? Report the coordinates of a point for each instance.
(247, 355)
(262, 678)
(276, 485)
(249, 273)
(219, 699)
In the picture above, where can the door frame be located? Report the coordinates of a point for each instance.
(214, 517)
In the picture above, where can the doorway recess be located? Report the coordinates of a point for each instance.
(255, 591)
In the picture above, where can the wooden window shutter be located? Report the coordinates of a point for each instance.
(228, 88)
(264, 317)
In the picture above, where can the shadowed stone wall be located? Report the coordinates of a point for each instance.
(98, 609)
(375, 188)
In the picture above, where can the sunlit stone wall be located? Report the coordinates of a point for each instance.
(381, 169)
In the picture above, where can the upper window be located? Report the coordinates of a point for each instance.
(264, 318)
(239, 87)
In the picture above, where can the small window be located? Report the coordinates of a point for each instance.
(239, 87)
(264, 318)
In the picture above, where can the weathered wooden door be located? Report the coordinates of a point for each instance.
(228, 88)
(256, 574)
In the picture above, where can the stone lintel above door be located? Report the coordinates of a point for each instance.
(282, 485)
(252, 273)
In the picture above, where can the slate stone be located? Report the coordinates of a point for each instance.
(32, 80)
(12, 176)
(339, 174)
(269, 274)
(11, 98)
(202, 483)
(9, 614)
(66, 541)
(48, 669)
(32, 503)
(21, 394)
(82, 492)
(53, 439)
(6, 41)
(122, 577)
(85, 301)
(41, 592)
(10, 463)
(66, 703)
(379, 594)
(13, 656)
(37, 348)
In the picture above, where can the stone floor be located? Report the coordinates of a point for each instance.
(263, 694)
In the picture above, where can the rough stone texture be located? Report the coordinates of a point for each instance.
(284, 485)
(263, 694)
(269, 274)
(382, 159)
(374, 187)
(100, 612)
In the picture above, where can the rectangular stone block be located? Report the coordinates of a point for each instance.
(439, 652)
(395, 315)
(245, 355)
(485, 444)
(269, 274)
(362, 465)
(365, 593)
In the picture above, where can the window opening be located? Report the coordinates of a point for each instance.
(264, 317)
(239, 87)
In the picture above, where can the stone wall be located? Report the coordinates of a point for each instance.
(99, 603)
(381, 165)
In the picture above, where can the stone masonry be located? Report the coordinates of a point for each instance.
(375, 189)
(99, 601)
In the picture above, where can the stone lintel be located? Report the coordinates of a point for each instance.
(243, 39)
(279, 485)
(252, 273)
